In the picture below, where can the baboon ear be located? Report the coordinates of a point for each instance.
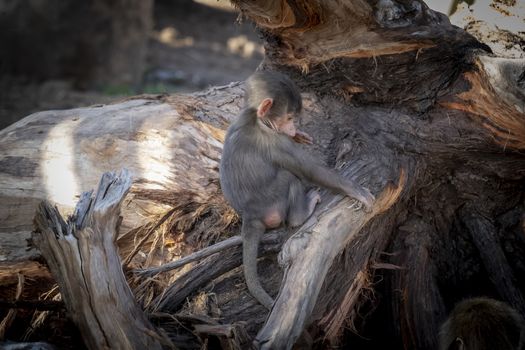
(264, 107)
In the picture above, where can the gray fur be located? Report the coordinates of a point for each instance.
(262, 169)
(482, 324)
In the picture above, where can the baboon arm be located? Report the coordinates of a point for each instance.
(302, 165)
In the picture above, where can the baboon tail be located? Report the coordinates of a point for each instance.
(251, 232)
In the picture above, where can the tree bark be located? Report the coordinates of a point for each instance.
(83, 258)
(397, 98)
(172, 157)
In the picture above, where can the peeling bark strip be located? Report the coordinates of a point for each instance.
(502, 103)
(82, 256)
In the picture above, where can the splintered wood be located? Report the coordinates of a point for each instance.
(82, 256)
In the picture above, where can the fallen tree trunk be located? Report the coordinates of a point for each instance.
(170, 155)
(397, 98)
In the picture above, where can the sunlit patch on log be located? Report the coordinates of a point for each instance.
(58, 164)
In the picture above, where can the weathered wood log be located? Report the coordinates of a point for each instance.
(54, 155)
(397, 98)
(316, 245)
(83, 258)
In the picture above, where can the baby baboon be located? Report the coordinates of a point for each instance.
(482, 324)
(262, 169)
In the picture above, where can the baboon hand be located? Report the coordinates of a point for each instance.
(302, 137)
(367, 199)
(364, 196)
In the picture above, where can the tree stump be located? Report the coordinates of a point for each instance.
(397, 99)
(82, 255)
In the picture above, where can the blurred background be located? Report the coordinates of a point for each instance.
(57, 54)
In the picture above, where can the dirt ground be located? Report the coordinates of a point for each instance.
(193, 45)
